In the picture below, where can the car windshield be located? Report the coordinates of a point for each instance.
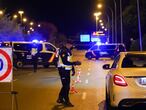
(26, 47)
(94, 47)
(134, 61)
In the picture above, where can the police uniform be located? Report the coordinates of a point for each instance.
(65, 65)
(34, 53)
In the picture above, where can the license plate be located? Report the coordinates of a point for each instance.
(142, 81)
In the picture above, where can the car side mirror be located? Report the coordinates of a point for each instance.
(106, 66)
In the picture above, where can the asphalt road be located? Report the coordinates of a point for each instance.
(39, 91)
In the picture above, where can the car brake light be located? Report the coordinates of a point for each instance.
(119, 80)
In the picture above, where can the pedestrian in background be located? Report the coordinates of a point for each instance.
(65, 66)
(34, 54)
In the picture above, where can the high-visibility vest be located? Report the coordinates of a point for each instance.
(34, 51)
(60, 63)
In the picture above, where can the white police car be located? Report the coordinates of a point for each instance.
(105, 50)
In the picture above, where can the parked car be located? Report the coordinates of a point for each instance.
(105, 50)
(22, 53)
(126, 80)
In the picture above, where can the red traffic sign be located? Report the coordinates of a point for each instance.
(5, 64)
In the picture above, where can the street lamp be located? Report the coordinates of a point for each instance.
(31, 23)
(21, 13)
(100, 21)
(101, 24)
(1, 12)
(15, 17)
(39, 25)
(121, 21)
(97, 17)
(112, 13)
(115, 4)
(99, 6)
(139, 27)
(24, 20)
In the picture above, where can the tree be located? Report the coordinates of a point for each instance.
(10, 30)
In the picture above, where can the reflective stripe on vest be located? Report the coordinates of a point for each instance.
(67, 67)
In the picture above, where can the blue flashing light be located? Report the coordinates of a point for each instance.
(98, 43)
(35, 41)
(41, 41)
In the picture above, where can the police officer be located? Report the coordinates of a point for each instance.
(65, 65)
(34, 54)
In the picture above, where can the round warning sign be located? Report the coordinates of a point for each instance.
(5, 64)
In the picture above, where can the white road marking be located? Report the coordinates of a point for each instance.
(84, 95)
(86, 81)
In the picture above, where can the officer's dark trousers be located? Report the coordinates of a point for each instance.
(65, 80)
(35, 63)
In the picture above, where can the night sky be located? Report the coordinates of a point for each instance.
(69, 16)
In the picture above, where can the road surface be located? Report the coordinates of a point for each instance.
(39, 91)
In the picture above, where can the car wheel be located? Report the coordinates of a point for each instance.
(108, 105)
(89, 57)
(19, 64)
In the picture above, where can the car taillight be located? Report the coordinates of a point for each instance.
(119, 80)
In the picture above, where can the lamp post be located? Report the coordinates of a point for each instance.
(121, 21)
(108, 23)
(1, 12)
(115, 5)
(112, 24)
(139, 26)
(99, 6)
(21, 13)
(15, 17)
(97, 18)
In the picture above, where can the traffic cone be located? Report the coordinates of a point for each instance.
(72, 89)
(78, 80)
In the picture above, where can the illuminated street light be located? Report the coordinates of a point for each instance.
(30, 28)
(15, 16)
(102, 27)
(31, 23)
(99, 6)
(1, 12)
(21, 13)
(105, 29)
(97, 14)
(39, 25)
(101, 24)
(100, 21)
(28, 32)
(24, 20)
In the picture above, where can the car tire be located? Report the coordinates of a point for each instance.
(108, 105)
(19, 64)
(89, 57)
